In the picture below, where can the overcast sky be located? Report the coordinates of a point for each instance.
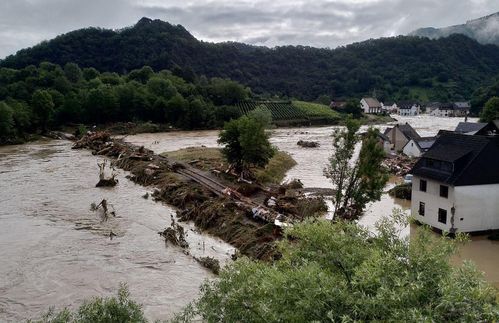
(320, 23)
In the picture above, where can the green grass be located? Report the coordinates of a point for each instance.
(209, 158)
(276, 169)
(316, 110)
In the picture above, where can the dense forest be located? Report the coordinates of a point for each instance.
(396, 68)
(34, 99)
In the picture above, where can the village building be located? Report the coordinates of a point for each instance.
(409, 109)
(417, 147)
(431, 106)
(455, 185)
(400, 135)
(457, 109)
(390, 107)
(469, 128)
(371, 106)
(478, 128)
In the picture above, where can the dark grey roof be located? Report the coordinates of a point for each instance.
(467, 127)
(490, 129)
(459, 160)
(383, 136)
(462, 105)
(425, 143)
(408, 131)
(407, 104)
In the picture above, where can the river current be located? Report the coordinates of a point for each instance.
(56, 251)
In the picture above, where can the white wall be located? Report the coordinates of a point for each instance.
(476, 207)
(411, 149)
(364, 106)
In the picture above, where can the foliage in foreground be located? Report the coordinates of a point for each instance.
(100, 310)
(342, 272)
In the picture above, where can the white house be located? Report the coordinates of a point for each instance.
(400, 135)
(370, 106)
(409, 109)
(417, 147)
(390, 107)
(455, 185)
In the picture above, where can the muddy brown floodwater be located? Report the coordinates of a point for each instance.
(311, 162)
(55, 251)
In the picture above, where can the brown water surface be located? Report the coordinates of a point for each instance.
(55, 251)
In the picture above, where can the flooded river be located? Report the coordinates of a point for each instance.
(311, 162)
(55, 251)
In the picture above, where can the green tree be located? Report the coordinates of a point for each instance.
(6, 121)
(361, 181)
(324, 99)
(353, 107)
(246, 143)
(340, 272)
(73, 72)
(491, 110)
(43, 107)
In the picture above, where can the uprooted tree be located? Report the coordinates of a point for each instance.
(360, 179)
(246, 143)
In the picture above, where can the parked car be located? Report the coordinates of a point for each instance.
(408, 179)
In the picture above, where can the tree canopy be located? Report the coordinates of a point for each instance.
(340, 272)
(491, 110)
(398, 68)
(37, 98)
(357, 180)
(246, 142)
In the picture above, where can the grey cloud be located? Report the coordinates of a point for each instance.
(321, 23)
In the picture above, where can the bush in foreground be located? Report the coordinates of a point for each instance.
(100, 310)
(342, 272)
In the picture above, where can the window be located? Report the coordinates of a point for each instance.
(442, 216)
(421, 208)
(422, 185)
(444, 191)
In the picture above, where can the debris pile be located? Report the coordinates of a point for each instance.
(175, 234)
(399, 165)
(308, 144)
(210, 263)
(104, 180)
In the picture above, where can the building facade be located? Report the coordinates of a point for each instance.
(455, 186)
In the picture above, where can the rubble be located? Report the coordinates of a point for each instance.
(308, 144)
(210, 263)
(399, 165)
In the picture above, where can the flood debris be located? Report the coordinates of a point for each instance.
(105, 209)
(308, 144)
(145, 196)
(106, 180)
(175, 234)
(399, 165)
(210, 263)
(199, 198)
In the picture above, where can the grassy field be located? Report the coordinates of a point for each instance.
(209, 158)
(317, 110)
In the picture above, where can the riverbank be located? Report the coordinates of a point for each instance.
(242, 217)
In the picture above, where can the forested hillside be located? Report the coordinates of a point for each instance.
(34, 99)
(396, 68)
